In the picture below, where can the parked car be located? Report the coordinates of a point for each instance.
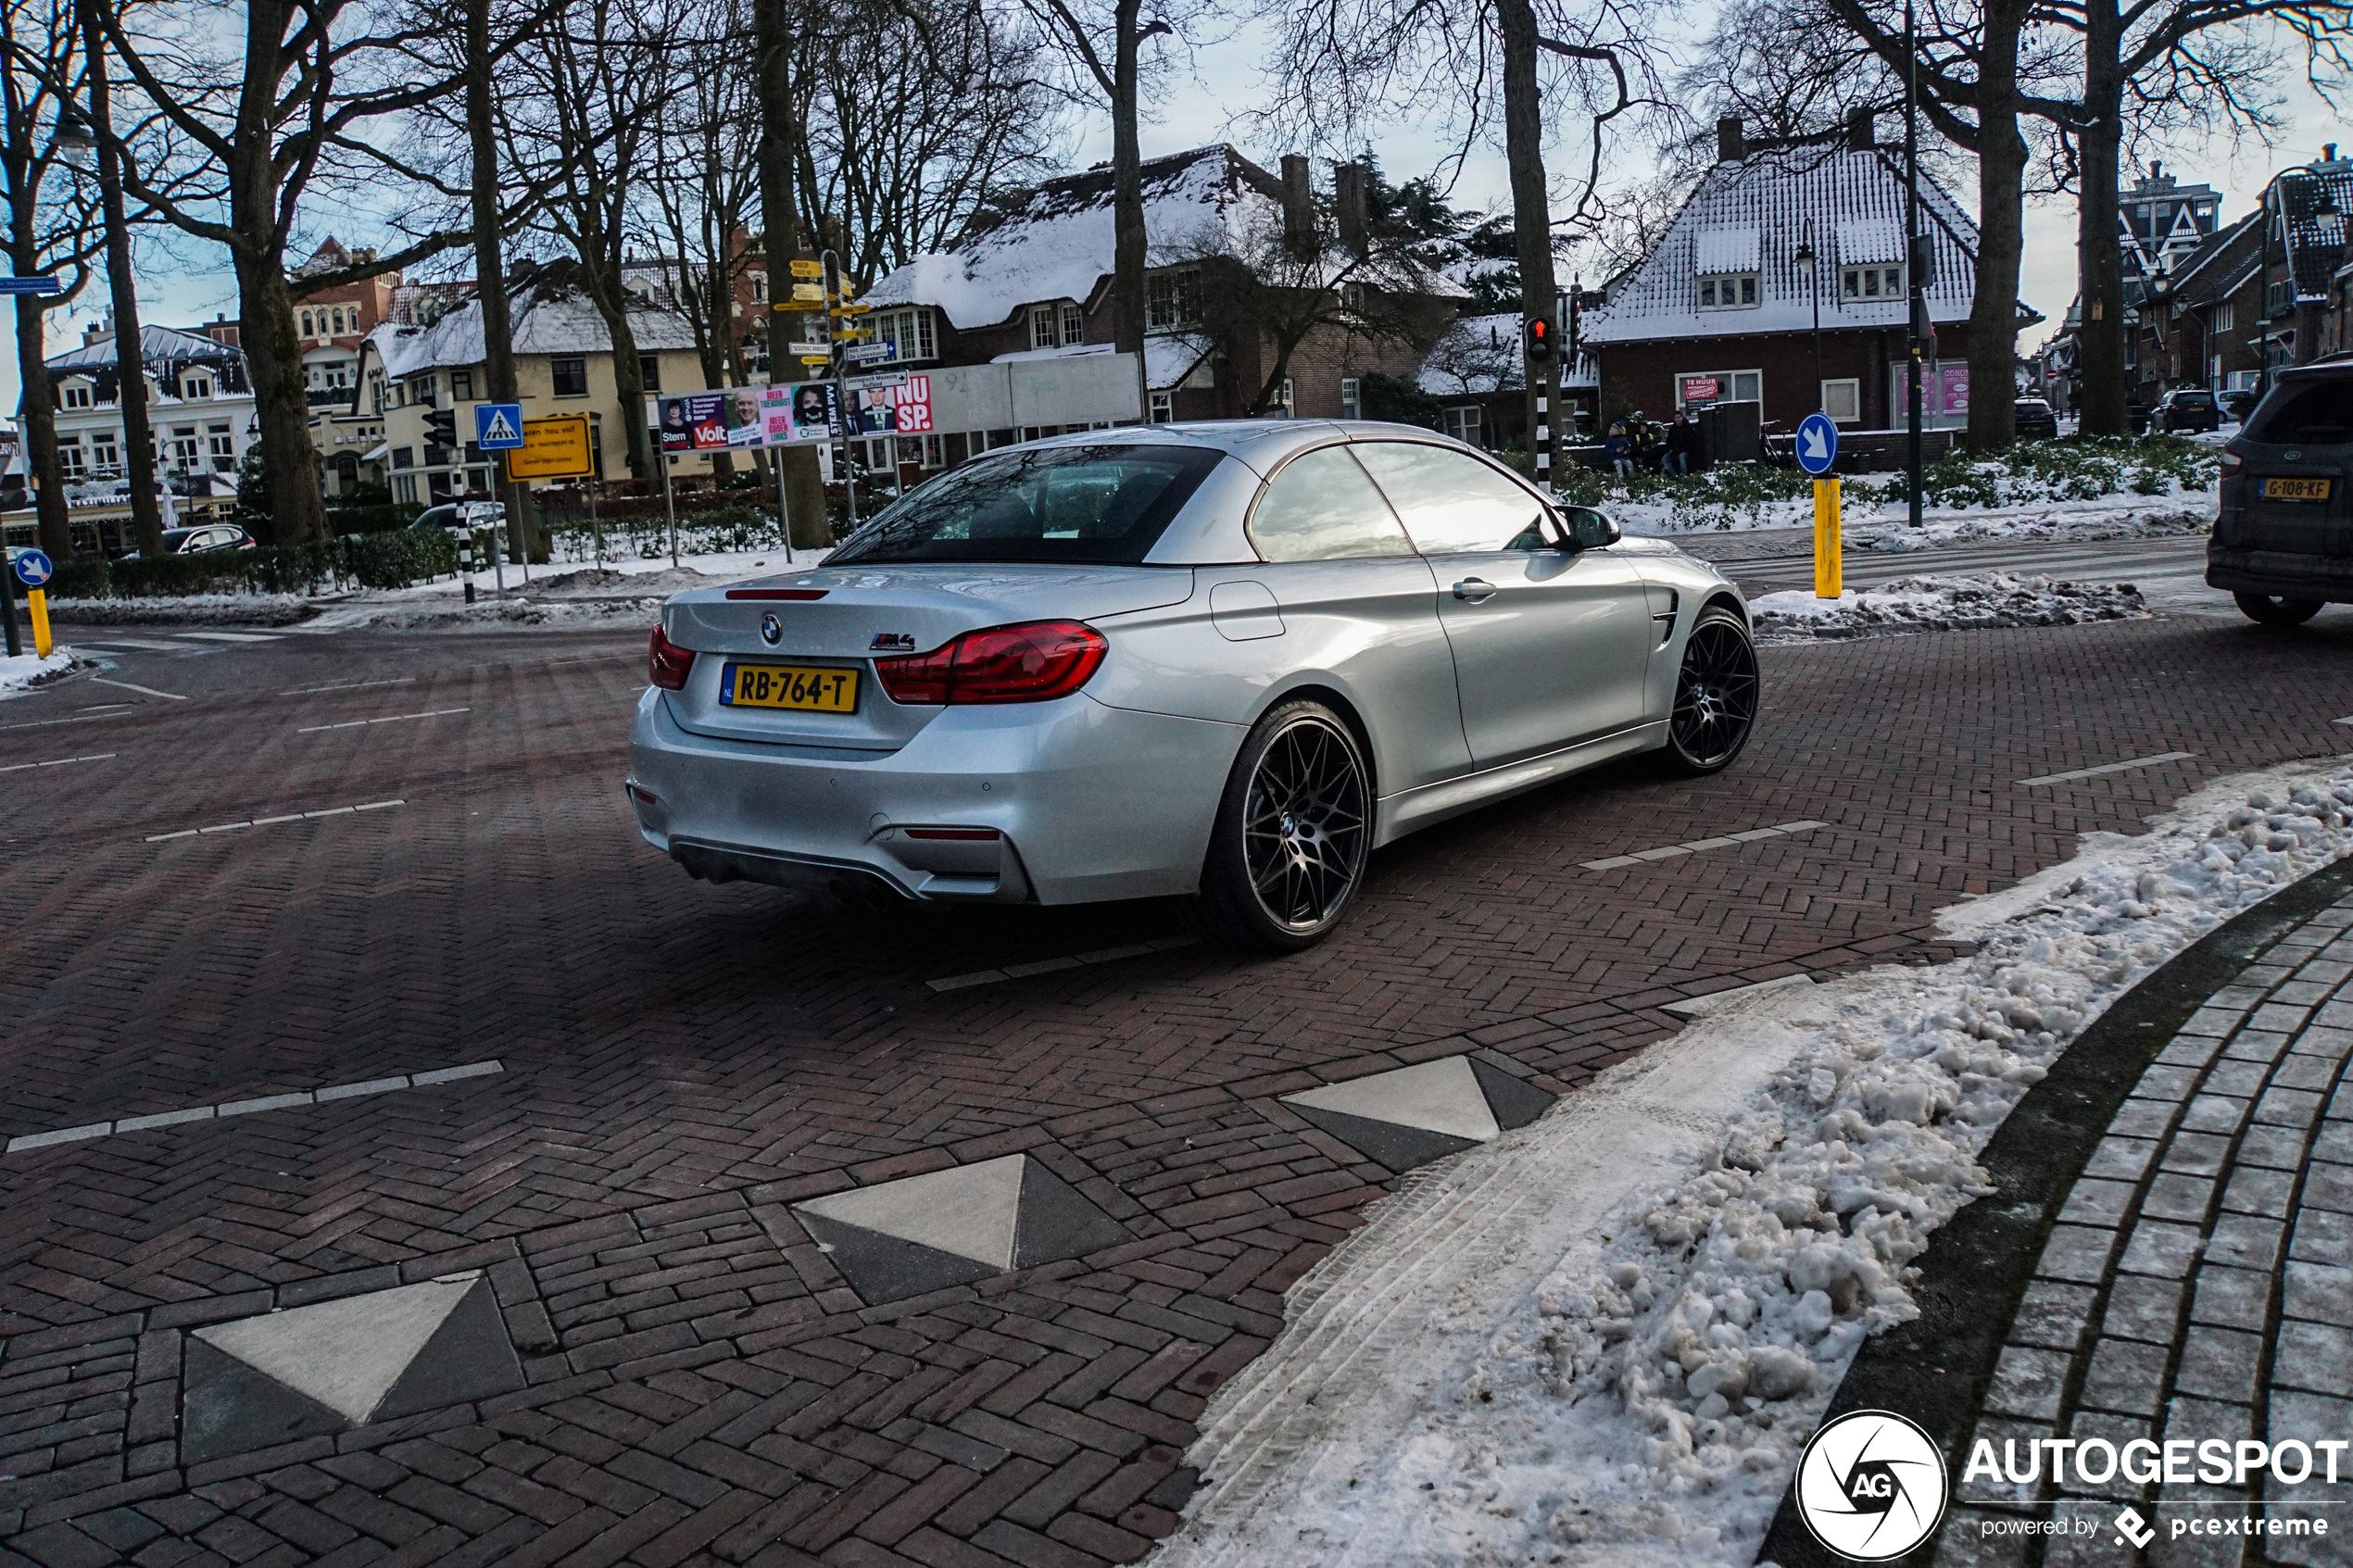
(1221, 661)
(2280, 544)
(2238, 402)
(2035, 420)
(461, 517)
(198, 541)
(2187, 408)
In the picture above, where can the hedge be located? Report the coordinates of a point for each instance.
(392, 560)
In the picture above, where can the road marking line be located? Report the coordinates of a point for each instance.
(142, 691)
(254, 1107)
(1048, 966)
(57, 762)
(229, 636)
(112, 643)
(353, 686)
(2108, 768)
(78, 719)
(266, 822)
(389, 718)
(1699, 845)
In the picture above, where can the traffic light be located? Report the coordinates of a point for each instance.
(441, 428)
(1540, 340)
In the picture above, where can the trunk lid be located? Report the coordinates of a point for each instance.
(859, 613)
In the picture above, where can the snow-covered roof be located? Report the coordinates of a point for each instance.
(157, 345)
(2313, 204)
(545, 322)
(1058, 244)
(1847, 202)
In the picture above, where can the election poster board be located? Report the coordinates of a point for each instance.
(799, 412)
(897, 404)
(694, 422)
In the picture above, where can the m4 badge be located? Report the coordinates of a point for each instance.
(892, 642)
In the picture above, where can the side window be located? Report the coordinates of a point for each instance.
(1321, 507)
(1454, 504)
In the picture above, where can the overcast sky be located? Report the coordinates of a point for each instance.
(182, 289)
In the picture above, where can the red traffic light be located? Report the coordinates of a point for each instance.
(1540, 338)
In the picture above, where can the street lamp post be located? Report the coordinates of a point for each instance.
(1804, 259)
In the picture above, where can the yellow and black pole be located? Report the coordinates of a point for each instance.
(33, 569)
(1816, 452)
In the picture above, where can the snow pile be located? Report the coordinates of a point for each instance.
(1886, 524)
(515, 612)
(1529, 1357)
(1941, 604)
(193, 610)
(26, 670)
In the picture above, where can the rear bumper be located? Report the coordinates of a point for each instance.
(1092, 802)
(2282, 573)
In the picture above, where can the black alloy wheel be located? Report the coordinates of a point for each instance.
(1293, 831)
(1716, 695)
(2270, 609)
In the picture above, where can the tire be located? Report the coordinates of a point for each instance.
(1716, 696)
(1293, 832)
(2270, 609)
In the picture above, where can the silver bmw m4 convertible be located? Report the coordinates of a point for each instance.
(1225, 661)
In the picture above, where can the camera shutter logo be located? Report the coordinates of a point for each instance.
(1870, 1486)
(771, 630)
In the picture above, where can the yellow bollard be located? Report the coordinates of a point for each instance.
(38, 600)
(1830, 575)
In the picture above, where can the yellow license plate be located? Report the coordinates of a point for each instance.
(786, 685)
(2296, 489)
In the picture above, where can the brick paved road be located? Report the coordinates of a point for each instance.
(682, 1064)
(2199, 1284)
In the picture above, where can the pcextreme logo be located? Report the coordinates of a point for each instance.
(1870, 1486)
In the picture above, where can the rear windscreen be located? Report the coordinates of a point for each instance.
(2317, 410)
(1107, 503)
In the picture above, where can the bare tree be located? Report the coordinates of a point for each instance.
(52, 226)
(297, 109)
(775, 40)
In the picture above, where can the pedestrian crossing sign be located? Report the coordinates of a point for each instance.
(499, 426)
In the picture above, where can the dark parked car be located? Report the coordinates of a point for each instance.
(2187, 408)
(2283, 543)
(2035, 420)
(2238, 404)
(195, 541)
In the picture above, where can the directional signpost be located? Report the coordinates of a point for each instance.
(32, 570)
(498, 427)
(29, 285)
(1817, 451)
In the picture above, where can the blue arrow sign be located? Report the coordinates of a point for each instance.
(32, 569)
(29, 285)
(498, 427)
(1817, 444)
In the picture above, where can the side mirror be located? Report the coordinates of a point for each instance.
(1588, 529)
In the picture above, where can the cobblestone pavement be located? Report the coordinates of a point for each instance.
(681, 1065)
(2199, 1283)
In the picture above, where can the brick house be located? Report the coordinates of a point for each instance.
(1036, 283)
(1721, 309)
(2196, 321)
(332, 322)
(2307, 262)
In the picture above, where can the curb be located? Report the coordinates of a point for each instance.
(1936, 1368)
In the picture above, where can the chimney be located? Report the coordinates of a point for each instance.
(1299, 206)
(1729, 146)
(1348, 195)
(2328, 152)
(1862, 131)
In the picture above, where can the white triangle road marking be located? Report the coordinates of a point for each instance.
(1436, 1096)
(967, 1209)
(345, 1354)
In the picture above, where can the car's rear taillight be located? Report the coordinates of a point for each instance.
(2231, 464)
(667, 664)
(1032, 662)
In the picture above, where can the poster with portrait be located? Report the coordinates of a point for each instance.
(803, 411)
(745, 426)
(891, 406)
(694, 422)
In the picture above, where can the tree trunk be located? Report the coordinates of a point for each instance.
(2001, 173)
(524, 543)
(2099, 257)
(1129, 239)
(38, 419)
(1532, 204)
(803, 481)
(611, 296)
(265, 305)
(130, 367)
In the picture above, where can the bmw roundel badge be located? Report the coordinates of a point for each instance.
(771, 630)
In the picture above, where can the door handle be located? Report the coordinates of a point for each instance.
(1471, 590)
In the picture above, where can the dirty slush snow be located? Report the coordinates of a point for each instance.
(1490, 1373)
(1941, 604)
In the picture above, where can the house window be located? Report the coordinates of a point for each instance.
(103, 451)
(1041, 327)
(649, 371)
(2225, 317)
(1842, 400)
(77, 395)
(1164, 410)
(759, 288)
(462, 386)
(1727, 290)
(570, 373)
(184, 450)
(935, 452)
(1074, 323)
(69, 454)
(404, 489)
(196, 386)
(306, 324)
(1172, 300)
(1352, 298)
(1352, 398)
(909, 333)
(404, 457)
(1463, 424)
(1281, 411)
(1697, 389)
(478, 481)
(1872, 283)
(223, 447)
